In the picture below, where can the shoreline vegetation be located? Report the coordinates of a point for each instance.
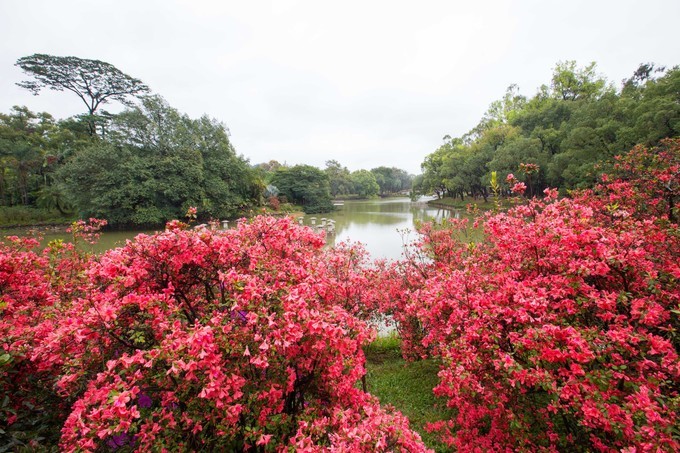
(27, 217)
(146, 165)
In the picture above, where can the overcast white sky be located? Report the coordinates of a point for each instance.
(367, 83)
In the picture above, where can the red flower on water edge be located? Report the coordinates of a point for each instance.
(87, 230)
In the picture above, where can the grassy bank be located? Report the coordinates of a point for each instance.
(19, 216)
(405, 385)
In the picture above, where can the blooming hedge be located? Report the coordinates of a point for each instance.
(559, 331)
(209, 340)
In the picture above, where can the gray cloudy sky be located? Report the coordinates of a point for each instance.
(367, 83)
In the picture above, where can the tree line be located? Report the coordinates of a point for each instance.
(569, 129)
(314, 189)
(149, 163)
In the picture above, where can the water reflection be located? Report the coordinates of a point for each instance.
(381, 224)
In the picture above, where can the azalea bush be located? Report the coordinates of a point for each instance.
(646, 181)
(560, 330)
(26, 300)
(36, 289)
(201, 339)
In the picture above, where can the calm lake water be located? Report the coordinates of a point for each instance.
(382, 225)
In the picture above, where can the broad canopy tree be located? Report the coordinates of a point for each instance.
(338, 178)
(95, 82)
(156, 163)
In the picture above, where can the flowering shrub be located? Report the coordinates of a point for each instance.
(26, 297)
(35, 291)
(274, 203)
(213, 340)
(560, 330)
(645, 181)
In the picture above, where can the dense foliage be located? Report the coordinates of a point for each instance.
(558, 332)
(568, 128)
(141, 167)
(306, 186)
(392, 180)
(365, 183)
(153, 163)
(32, 147)
(156, 163)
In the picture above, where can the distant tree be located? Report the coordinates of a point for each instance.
(417, 187)
(364, 184)
(391, 179)
(30, 148)
(499, 112)
(338, 178)
(657, 115)
(433, 170)
(642, 74)
(94, 82)
(270, 166)
(571, 84)
(305, 185)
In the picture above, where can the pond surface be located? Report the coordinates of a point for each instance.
(382, 225)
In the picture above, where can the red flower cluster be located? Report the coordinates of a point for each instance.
(559, 331)
(208, 340)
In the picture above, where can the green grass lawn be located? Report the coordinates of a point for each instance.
(405, 385)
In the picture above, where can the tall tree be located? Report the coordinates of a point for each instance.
(364, 183)
(338, 177)
(570, 83)
(155, 163)
(94, 82)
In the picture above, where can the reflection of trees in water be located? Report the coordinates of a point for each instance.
(393, 214)
(426, 215)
